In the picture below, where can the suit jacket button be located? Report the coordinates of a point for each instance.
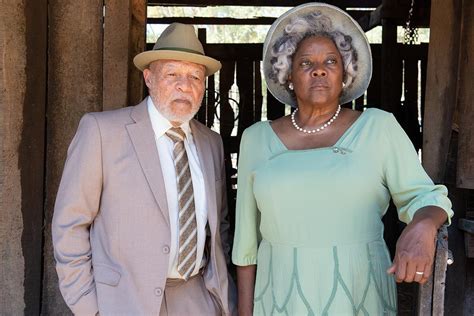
(166, 249)
(158, 291)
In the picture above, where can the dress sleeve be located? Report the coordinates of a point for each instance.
(409, 185)
(246, 236)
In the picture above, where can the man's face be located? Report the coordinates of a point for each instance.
(176, 88)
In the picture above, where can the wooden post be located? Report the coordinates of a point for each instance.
(74, 88)
(442, 74)
(137, 44)
(465, 166)
(431, 294)
(226, 114)
(22, 104)
(391, 69)
(245, 82)
(117, 22)
(124, 37)
(22, 123)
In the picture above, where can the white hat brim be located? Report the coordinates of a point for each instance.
(144, 59)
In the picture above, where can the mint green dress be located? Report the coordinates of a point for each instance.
(311, 219)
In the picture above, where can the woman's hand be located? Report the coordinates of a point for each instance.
(416, 246)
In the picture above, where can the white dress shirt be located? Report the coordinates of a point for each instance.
(165, 151)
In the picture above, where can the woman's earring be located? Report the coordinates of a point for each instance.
(343, 85)
(290, 86)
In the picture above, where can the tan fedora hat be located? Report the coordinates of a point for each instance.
(340, 21)
(178, 42)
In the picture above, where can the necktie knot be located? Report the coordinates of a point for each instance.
(176, 134)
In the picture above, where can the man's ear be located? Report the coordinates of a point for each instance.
(147, 77)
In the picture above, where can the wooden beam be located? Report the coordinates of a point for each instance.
(234, 21)
(370, 20)
(32, 152)
(137, 43)
(23, 47)
(431, 294)
(442, 74)
(466, 225)
(212, 21)
(264, 3)
(391, 69)
(465, 165)
(116, 53)
(231, 52)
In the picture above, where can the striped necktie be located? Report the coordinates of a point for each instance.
(187, 213)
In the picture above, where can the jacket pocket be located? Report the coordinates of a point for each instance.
(106, 275)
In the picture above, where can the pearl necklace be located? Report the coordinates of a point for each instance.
(312, 131)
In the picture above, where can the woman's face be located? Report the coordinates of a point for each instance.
(317, 72)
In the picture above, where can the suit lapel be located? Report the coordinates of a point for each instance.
(143, 139)
(206, 160)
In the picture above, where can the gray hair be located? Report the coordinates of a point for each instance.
(300, 28)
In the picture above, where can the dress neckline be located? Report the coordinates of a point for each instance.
(336, 144)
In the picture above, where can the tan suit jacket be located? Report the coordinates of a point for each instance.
(111, 232)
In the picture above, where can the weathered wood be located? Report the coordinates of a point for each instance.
(116, 53)
(466, 225)
(391, 69)
(248, 21)
(439, 276)
(245, 81)
(226, 115)
(201, 115)
(32, 152)
(275, 108)
(231, 52)
(75, 42)
(425, 298)
(465, 166)
(13, 81)
(374, 91)
(211, 101)
(212, 20)
(136, 46)
(409, 109)
(431, 294)
(423, 66)
(263, 3)
(442, 74)
(371, 19)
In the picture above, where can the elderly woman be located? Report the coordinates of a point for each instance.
(314, 185)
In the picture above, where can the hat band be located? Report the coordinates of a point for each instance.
(180, 49)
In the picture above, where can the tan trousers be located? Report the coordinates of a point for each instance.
(188, 298)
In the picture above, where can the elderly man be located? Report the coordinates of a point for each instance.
(139, 225)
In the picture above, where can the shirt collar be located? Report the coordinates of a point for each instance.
(161, 125)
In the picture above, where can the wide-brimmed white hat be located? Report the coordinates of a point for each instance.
(341, 22)
(178, 42)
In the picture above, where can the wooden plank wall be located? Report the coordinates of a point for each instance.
(442, 75)
(449, 134)
(23, 49)
(89, 69)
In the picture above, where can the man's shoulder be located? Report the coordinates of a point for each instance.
(113, 115)
(118, 116)
(205, 130)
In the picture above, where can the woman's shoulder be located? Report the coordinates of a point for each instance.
(377, 113)
(378, 118)
(256, 129)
